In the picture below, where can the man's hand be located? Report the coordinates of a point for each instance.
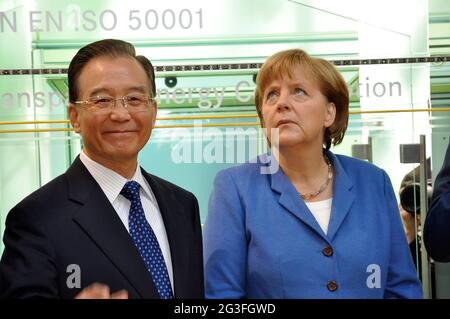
(101, 291)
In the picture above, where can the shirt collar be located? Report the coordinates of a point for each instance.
(111, 182)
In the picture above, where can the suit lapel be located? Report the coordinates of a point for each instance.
(98, 219)
(173, 220)
(343, 196)
(292, 202)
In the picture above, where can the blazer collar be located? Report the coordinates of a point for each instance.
(343, 197)
(97, 218)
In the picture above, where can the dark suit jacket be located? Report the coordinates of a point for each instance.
(437, 224)
(70, 221)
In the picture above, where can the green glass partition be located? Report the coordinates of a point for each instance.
(396, 64)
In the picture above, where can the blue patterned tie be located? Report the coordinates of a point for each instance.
(146, 242)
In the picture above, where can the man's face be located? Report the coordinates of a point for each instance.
(115, 136)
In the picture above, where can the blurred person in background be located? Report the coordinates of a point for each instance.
(437, 224)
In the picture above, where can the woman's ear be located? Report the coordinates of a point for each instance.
(74, 117)
(330, 114)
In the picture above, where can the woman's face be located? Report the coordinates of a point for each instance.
(297, 110)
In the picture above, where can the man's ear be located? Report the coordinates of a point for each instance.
(330, 114)
(154, 113)
(74, 117)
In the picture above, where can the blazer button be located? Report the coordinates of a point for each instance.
(332, 285)
(327, 251)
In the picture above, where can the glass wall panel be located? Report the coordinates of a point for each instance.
(396, 64)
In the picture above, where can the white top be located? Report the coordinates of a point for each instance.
(322, 212)
(112, 183)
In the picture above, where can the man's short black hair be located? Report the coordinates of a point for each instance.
(109, 48)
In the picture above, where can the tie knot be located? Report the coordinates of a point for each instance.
(131, 191)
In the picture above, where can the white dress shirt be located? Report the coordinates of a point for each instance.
(112, 183)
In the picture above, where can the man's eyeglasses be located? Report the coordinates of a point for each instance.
(104, 104)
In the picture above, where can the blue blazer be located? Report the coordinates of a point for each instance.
(261, 240)
(437, 225)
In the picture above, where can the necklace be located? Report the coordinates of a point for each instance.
(310, 196)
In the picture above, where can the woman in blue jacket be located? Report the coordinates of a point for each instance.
(322, 225)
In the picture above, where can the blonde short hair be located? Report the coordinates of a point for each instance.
(330, 82)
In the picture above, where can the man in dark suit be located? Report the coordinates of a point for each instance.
(106, 228)
(436, 234)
